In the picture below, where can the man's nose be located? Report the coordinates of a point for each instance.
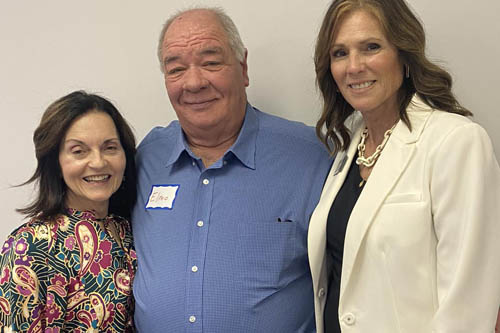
(194, 80)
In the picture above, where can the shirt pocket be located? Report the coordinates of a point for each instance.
(268, 249)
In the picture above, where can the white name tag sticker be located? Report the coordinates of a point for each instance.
(162, 197)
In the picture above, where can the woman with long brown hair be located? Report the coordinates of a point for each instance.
(405, 236)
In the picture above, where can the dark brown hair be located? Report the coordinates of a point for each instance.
(51, 189)
(402, 28)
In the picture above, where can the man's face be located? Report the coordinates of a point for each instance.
(204, 80)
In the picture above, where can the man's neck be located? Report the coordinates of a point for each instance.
(211, 152)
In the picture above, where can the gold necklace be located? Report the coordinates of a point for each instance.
(370, 160)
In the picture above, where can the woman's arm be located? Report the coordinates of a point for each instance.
(22, 297)
(465, 190)
(31, 294)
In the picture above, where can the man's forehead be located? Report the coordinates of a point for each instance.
(191, 30)
(193, 24)
(192, 40)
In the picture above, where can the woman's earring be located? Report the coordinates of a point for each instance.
(407, 71)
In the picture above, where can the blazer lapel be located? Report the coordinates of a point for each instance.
(388, 169)
(317, 228)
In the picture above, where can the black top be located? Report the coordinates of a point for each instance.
(335, 234)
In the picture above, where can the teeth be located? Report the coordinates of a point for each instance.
(96, 178)
(362, 85)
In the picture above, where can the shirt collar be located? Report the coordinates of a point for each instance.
(180, 145)
(243, 148)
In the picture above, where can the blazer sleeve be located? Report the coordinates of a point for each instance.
(465, 196)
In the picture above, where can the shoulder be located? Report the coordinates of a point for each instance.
(29, 271)
(40, 234)
(442, 126)
(25, 236)
(26, 250)
(450, 121)
(435, 124)
(444, 134)
(160, 135)
(291, 133)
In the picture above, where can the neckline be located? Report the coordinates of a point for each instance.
(87, 214)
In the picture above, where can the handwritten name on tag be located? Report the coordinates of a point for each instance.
(162, 197)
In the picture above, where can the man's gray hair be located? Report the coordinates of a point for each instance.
(232, 34)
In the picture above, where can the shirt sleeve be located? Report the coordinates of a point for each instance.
(465, 190)
(27, 302)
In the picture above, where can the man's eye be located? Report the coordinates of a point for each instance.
(212, 65)
(175, 70)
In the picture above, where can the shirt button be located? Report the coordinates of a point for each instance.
(205, 181)
(194, 269)
(321, 292)
(199, 223)
(192, 319)
(194, 163)
(225, 162)
(349, 319)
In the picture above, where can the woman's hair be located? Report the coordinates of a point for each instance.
(56, 120)
(402, 28)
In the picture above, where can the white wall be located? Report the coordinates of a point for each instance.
(49, 48)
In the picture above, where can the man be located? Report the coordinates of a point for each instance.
(224, 196)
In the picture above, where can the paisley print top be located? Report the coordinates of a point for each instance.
(68, 275)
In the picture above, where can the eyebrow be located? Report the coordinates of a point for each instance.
(168, 59)
(206, 51)
(364, 41)
(211, 50)
(83, 143)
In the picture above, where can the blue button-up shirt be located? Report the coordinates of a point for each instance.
(223, 249)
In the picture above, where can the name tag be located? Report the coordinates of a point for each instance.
(162, 197)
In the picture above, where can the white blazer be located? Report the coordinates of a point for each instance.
(422, 246)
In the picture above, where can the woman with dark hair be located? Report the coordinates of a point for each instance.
(70, 268)
(405, 236)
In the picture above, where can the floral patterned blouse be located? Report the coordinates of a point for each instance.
(68, 275)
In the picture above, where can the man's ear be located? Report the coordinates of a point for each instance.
(244, 66)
